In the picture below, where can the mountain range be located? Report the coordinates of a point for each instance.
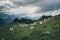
(6, 19)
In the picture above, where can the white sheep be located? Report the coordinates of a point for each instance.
(41, 22)
(31, 27)
(44, 20)
(11, 28)
(26, 24)
(31, 24)
(48, 19)
(2, 39)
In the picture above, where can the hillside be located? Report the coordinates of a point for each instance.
(47, 29)
(5, 18)
(24, 20)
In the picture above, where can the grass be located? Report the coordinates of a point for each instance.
(25, 33)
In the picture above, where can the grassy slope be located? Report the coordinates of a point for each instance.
(25, 33)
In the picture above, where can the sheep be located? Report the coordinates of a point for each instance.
(41, 22)
(31, 27)
(2, 39)
(11, 28)
(44, 20)
(26, 24)
(48, 19)
(33, 23)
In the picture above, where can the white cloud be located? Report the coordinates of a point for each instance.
(53, 13)
(24, 9)
(30, 10)
(7, 4)
(4, 2)
(18, 0)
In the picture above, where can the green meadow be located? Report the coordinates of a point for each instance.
(48, 30)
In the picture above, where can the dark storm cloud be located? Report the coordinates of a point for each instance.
(46, 5)
(50, 5)
(26, 2)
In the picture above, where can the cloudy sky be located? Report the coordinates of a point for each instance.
(30, 8)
